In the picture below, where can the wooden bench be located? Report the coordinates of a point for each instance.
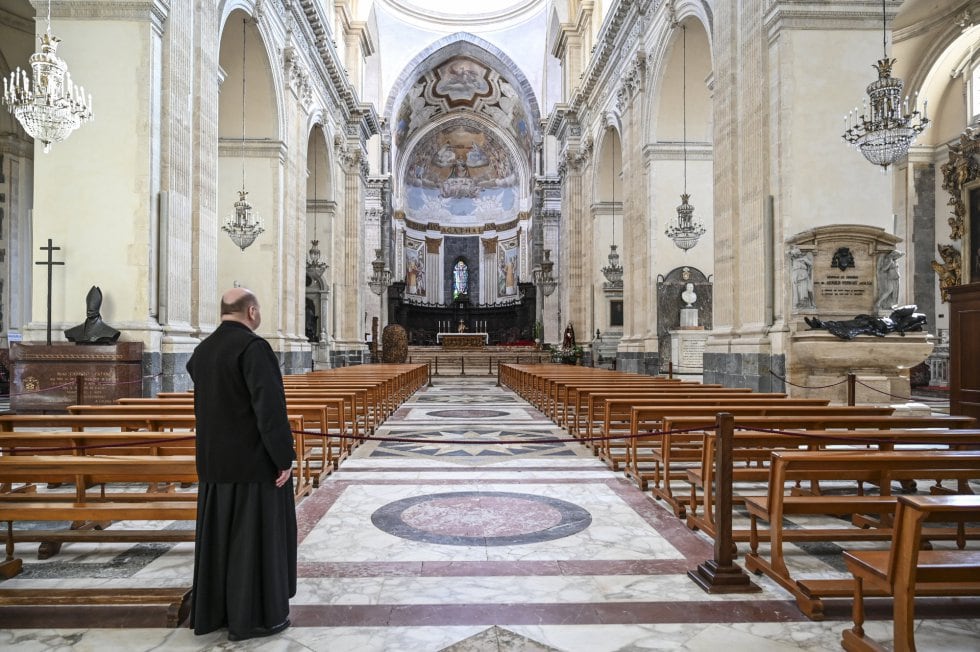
(89, 470)
(876, 467)
(752, 448)
(906, 570)
(670, 454)
(20, 606)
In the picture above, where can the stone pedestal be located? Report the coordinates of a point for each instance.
(687, 350)
(689, 317)
(881, 365)
(45, 378)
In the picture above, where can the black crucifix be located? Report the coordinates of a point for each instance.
(50, 263)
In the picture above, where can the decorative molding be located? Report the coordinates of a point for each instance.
(674, 151)
(253, 148)
(489, 245)
(297, 76)
(830, 15)
(156, 11)
(432, 245)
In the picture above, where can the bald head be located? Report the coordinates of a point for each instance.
(240, 304)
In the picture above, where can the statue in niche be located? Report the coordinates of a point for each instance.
(801, 274)
(888, 277)
(93, 330)
(903, 319)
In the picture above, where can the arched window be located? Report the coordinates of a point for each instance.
(461, 279)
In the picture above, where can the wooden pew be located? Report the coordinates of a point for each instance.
(78, 506)
(129, 418)
(906, 570)
(669, 454)
(616, 411)
(751, 452)
(875, 467)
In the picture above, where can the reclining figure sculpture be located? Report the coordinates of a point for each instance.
(902, 320)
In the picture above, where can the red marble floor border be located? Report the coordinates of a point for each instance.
(465, 469)
(618, 613)
(494, 568)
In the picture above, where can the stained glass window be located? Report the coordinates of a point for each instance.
(461, 279)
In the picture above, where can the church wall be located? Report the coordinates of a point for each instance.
(102, 216)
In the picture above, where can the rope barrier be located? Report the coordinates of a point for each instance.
(806, 386)
(901, 398)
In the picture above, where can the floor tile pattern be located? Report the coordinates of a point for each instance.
(456, 542)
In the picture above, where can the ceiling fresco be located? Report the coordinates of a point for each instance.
(459, 173)
(462, 83)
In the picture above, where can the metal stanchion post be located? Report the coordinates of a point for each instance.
(851, 378)
(79, 390)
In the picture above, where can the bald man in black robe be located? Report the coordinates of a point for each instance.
(245, 548)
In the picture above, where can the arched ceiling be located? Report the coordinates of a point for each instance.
(470, 14)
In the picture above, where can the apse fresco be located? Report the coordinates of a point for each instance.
(464, 82)
(460, 173)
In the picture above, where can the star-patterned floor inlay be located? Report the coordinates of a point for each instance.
(480, 443)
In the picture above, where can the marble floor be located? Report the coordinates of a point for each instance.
(480, 534)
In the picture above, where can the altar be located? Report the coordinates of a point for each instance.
(463, 340)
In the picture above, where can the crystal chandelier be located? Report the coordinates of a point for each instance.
(243, 227)
(54, 107)
(887, 125)
(544, 277)
(314, 266)
(685, 230)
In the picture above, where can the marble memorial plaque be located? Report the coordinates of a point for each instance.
(843, 278)
(45, 377)
(692, 353)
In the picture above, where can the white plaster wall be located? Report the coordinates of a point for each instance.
(95, 198)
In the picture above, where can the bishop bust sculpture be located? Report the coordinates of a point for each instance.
(93, 330)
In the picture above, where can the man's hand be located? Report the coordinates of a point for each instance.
(283, 477)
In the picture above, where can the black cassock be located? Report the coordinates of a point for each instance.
(245, 548)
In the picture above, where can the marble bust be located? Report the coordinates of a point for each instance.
(689, 296)
(93, 330)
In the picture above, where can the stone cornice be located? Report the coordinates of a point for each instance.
(334, 75)
(128, 10)
(617, 36)
(232, 147)
(674, 151)
(963, 10)
(825, 15)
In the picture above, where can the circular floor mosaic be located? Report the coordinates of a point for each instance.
(467, 414)
(481, 518)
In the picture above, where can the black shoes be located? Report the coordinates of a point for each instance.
(259, 632)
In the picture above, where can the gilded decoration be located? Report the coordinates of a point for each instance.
(948, 270)
(959, 173)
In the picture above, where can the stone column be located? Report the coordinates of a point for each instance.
(765, 148)
(350, 277)
(638, 349)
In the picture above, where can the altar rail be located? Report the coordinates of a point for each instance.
(481, 362)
